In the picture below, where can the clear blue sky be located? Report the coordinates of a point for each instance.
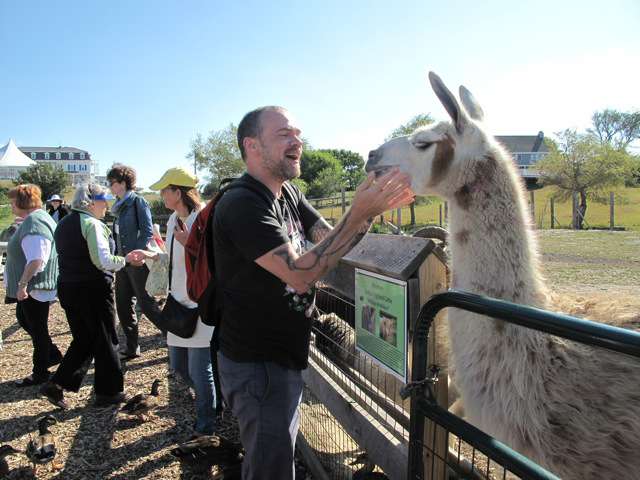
(135, 81)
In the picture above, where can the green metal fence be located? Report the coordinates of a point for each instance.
(423, 403)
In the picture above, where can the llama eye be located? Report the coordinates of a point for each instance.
(422, 145)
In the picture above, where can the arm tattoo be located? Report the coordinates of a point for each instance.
(319, 231)
(324, 254)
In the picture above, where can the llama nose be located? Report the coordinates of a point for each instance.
(372, 155)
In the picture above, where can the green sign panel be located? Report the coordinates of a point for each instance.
(381, 312)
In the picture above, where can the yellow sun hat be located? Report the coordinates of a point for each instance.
(175, 176)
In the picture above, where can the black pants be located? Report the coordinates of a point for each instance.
(91, 315)
(130, 282)
(33, 317)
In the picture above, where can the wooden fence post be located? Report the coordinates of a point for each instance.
(575, 223)
(553, 215)
(399, 221)
(440, 215)
(533, 206)
(611, 221)
(344, 201)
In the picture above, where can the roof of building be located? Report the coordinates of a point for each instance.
(52, 149)
(11, 156)
(524, 143)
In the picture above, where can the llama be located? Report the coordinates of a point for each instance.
(571, 408)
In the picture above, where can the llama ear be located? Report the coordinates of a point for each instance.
(458, 116)
(470, 104)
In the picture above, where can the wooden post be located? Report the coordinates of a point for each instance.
(433, 279)
(344, 201)
(399, 221)
(574, 212)
(611, 222)
(553, 215)
(533, 207)
(440, 215)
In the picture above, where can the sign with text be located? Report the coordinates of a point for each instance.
(381, 312)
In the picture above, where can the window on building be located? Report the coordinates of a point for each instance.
(33, 155)
(58, 156)
(46, 155)
(82, 156)
(71, 156)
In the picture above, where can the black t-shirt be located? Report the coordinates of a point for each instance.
(263, 318)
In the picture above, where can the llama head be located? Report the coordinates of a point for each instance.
(435, 152)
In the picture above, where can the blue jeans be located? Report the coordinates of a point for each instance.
(194, 366)
(264, 397)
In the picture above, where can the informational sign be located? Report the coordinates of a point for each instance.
(381, 313)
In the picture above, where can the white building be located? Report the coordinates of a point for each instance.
(77, 163)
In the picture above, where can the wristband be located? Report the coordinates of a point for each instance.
(23, 284)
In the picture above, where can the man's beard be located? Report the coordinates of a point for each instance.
(280, 167)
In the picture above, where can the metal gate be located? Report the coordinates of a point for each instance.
(423, 404)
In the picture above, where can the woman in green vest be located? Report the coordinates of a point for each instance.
(31, 275)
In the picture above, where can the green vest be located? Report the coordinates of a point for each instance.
(37, 223)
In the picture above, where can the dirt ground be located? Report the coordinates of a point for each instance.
(100, 442)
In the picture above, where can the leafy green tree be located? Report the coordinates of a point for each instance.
(322, 172)
(619, 129)
(407, 129)
(411, 126)
(51, 179)
(580, 163)
(218, 155)
(352, 166)
(158, 207)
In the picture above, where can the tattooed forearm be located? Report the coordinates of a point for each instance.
(361, 233)
(319, 231)
(326, 253)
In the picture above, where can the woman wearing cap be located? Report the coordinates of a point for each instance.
(30, 277)
(85, 255)
(132, 229)
(190, 357)
(56, 209)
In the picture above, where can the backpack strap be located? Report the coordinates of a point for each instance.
(230, 184)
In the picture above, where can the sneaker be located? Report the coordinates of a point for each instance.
(106, 400)
(31, 380)
(128, 356)
(54, 395)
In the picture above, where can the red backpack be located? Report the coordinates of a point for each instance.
(199, 259)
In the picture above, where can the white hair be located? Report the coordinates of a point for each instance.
(81, 199)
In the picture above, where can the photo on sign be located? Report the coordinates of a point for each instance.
(369, 318)
(389, 328)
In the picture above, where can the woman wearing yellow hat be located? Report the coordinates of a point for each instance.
(190, 357)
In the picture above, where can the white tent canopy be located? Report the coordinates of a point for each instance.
(12, 157)
(12, 161)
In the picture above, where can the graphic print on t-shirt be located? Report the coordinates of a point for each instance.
(300, 302)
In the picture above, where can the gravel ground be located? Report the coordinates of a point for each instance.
(100, 442)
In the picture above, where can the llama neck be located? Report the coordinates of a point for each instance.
(493, 248)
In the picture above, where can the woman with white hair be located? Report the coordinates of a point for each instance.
(87, 264)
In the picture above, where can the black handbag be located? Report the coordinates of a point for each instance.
(175, 317)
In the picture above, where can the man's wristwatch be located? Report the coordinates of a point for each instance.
(23, 284)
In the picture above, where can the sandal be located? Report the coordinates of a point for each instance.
(29, 381)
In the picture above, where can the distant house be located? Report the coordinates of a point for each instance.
(526, 150)
(77, 163)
